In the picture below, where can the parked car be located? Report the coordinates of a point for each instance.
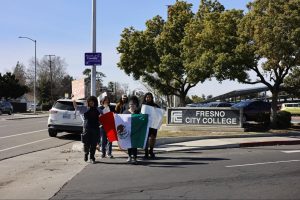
(255, 110)
(6, 107)
(293, 108)
(37, 107)
(193, 105)
(196, 105)
(62, 118)
(218, 104)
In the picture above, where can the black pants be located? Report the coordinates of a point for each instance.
(90, 143)
(132, 152)
(90, 148)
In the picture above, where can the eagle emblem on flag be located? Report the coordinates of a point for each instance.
(121, 131)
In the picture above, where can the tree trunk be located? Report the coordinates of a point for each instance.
(182, 100)
(169, 101)
(274, 108)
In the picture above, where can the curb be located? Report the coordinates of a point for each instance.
(27, 117)
(237, 145)
(269, 143)
(168, 140)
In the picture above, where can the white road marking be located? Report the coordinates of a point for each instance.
(292, 151)
(264, 163)
(4, 137)
(24, 144)
(21, 124)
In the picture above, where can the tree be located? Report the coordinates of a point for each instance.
(154, 55)
(264, 41)
(292, 82)
(66, 86)
(44, 76)
(20, 74)
(43, 91)
(10, 86)
(197, 99)
(87, 80)
(202, 39)
(210, 42)
(270, 43)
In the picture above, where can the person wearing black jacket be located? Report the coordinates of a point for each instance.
(106, 146)
(90, 135)
(148, 100)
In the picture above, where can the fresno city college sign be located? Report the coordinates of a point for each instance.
(204, 116)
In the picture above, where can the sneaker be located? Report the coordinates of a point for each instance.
(152, 155)
(103, 156)
(86, 157)
(98, 148)
(129, 159)
(134, 161)
(110, 156)
(93, 160)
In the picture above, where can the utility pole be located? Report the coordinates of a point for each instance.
(115, 90)
(50, 76)
(93, 71)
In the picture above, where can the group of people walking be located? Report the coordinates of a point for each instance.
(94, 135)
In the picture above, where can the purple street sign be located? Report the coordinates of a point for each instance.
(93, 58)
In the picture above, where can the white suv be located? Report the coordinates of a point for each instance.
(62, 118)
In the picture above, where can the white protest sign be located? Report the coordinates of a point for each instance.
(155, 115)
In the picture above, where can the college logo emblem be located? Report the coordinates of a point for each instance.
(176, 116)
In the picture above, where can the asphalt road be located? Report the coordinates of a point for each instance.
(241, 173)
(23, 136)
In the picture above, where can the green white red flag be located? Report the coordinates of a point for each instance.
(130, 130)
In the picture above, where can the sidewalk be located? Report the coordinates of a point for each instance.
(17, 116)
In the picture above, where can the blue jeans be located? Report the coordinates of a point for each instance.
(104, 143)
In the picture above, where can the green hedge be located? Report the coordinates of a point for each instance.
(283, 119)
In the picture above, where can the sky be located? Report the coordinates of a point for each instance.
(64, 28)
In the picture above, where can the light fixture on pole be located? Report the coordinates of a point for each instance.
(34, 83)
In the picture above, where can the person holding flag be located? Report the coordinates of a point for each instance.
(129, 129)
(106, 146)
(91, 134)
(148, 100)
(133, 109)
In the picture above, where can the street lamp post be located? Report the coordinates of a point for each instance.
(93, 71)
(34, 83)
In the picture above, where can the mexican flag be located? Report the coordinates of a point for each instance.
(130, 130)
